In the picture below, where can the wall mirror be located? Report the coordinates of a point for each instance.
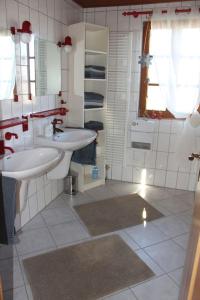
(7, 65)
(45, 67)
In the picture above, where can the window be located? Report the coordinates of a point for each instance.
(172, 80)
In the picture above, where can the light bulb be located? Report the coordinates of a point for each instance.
(25, 37)
(68, 48)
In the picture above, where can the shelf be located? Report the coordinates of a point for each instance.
(95, 79)
(94, 109)
(95, 52)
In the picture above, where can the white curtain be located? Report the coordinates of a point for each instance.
(176, 57)
(7, 65)
(176, 62)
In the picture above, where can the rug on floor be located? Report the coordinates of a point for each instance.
(87, 271)
(117, 213)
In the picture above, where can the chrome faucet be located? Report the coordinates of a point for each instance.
(54, 123)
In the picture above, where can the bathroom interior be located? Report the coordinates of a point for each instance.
(99, 150)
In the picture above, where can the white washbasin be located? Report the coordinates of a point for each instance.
(30, 163)
(67, 141)
(70, 139)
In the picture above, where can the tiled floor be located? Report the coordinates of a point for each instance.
(161, 243)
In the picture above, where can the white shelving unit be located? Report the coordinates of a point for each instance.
(90, 47)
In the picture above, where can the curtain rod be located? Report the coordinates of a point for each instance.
(136, 14)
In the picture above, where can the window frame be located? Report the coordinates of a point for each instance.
(143, 112)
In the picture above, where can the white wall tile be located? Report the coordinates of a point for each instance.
(117, 172)
(172, 162)
(43, 6)
(171, 179)
(24, 14)
(112, 20)
(34, 19)
(137, 174)
(100, 18)
(183, 181)
(43, 26)
(3, 23)
(123, 23)
(41, 199)
(127, 174)
(50, 28)
(160, 178)
(150, 174)
(33, 205)
(12, 13)
(48, 194)
(50, 8)
(165, 126)
(161, 160)
(150, 159)
(34, 4)
(172, 145)
(163, 142)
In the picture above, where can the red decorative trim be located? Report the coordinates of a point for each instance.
(26, 26)
(187, 10)
(67, 42)
(136, 14)
(10, 123)
(12, 29)
(25, 123)
(9, 135)
(16, 98)
(52, 112)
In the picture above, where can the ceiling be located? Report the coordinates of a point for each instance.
(99, 3)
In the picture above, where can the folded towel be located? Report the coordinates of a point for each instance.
(96, 72)
(94, 125)
(89, 105)
(90, 96)
(94, 67)
(8, 188)
(86, 155)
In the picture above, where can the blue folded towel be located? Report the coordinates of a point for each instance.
(86, 155)
(96, 72)
(8, 188)
(90, 96)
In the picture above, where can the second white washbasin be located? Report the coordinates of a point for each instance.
(71, 139)
(68, 141)
(30, 163)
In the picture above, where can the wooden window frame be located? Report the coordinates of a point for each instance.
(143, 112)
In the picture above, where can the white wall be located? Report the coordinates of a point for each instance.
(49, 19)
(160, 163)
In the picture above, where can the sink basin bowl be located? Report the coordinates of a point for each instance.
(30, 163)
(70, 139)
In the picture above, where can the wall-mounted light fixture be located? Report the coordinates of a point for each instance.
(25, 32)
(67, 45)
